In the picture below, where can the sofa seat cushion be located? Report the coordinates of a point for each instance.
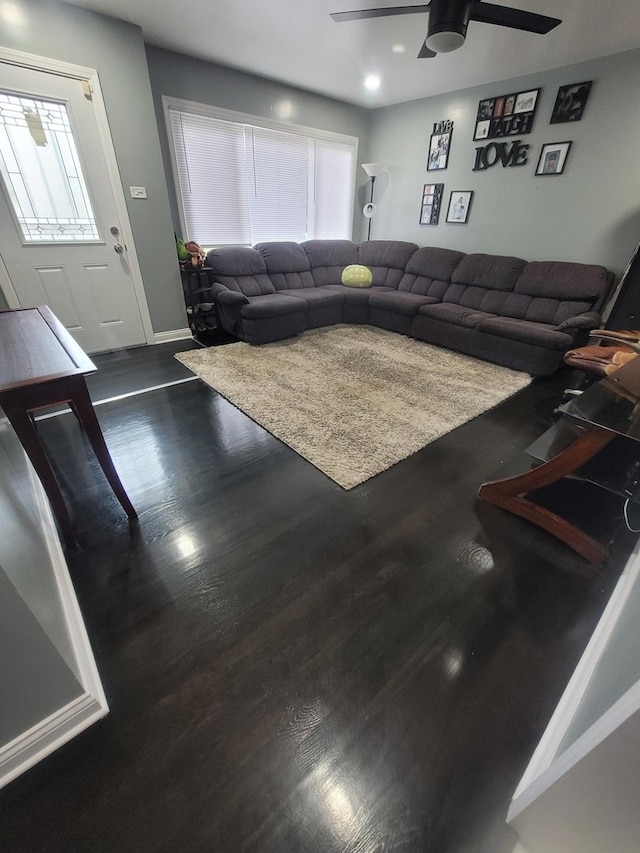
(319, 296)
(459, 315)
(271, 305)
(402, 302)
(540, 334)
(356, 294)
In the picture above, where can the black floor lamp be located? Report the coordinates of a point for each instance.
(369, 210)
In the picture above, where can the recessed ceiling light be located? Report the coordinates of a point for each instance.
(11, 14)
(283, 109)
(398, 48)
(372, 82)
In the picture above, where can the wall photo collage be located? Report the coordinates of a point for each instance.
(506, 115)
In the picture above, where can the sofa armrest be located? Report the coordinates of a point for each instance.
(589, 320)
(232, 298)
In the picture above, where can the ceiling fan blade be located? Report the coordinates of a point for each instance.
(426, 53)
(379, 13)
(504, 16)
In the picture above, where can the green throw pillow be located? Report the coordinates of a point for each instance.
(356, 275)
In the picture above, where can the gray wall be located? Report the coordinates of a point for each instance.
(591, 213)
(116, 50)
(180, 76)
(38, 668)
(35, 682)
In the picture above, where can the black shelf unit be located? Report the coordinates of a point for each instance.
(202, 315)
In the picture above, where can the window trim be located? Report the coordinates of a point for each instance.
(224, 114)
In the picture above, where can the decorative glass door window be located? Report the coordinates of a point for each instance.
(42, 173)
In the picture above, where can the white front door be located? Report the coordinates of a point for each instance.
(61, 240)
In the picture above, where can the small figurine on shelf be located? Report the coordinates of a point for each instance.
(190, 255)
(196, 255)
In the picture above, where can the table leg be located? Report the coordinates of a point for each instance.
(83, 408)
(509, 494)
(25, 429)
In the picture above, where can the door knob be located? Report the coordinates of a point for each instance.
(119, 248)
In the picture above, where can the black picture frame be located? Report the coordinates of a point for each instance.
(506, 115)
(439, 147)
(459, 206)
(570, 102)
(431, 202)
(553, 158)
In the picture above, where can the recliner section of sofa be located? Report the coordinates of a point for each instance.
(499, 308)
(289, 269)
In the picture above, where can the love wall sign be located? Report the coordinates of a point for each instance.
(514, 153)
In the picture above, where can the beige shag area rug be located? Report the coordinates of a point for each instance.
(354, 400)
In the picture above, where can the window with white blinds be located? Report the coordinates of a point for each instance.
(240, 182)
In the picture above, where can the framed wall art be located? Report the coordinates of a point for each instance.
(570, 102)
(506, 115)
(431, 202)
(459, 206)
(553, 158)
(439, 145)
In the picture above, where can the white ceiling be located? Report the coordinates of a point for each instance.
(296, 42)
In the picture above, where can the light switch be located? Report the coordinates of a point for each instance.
(138, 192)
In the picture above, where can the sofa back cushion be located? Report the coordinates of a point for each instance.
(328, 258)
(429, 270)
(240, 268)
(386, 259)
(484, 282)
(287, 265)
(497, 272)
(553, 291)
(563, 280)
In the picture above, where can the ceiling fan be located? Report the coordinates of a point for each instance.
(448, 21)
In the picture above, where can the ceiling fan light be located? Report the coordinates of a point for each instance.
(445, 41)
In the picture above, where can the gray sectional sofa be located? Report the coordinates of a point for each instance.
(502, 309)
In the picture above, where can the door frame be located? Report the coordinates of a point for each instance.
(89, 76)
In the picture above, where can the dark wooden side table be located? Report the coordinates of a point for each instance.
(42, 365)
(597, 443)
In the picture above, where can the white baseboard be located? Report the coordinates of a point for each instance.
(44, 738)
(173, 335)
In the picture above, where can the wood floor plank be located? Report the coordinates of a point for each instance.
(292, 667)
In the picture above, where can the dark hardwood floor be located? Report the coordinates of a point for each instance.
(130, 370)
(293, 667)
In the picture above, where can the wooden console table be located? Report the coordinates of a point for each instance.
(608, 411)
(42, 365)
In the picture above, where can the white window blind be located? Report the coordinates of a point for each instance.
(211, 165)
(278, 198)
(334, 177)
(242, 183)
